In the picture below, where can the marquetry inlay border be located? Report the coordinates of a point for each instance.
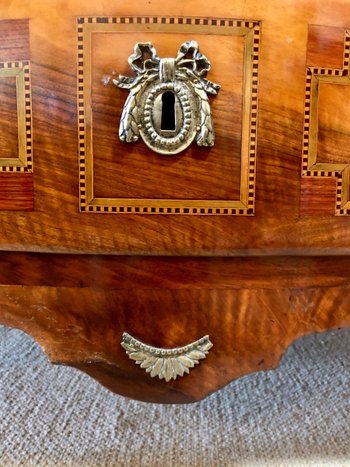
(310, 166)
(250, 30)
(21, 71)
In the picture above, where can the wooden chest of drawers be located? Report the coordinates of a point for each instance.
(206, 262)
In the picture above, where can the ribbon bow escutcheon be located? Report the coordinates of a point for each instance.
(189, 63)
(189, 66)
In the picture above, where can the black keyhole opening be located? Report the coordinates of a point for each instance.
(168, 112)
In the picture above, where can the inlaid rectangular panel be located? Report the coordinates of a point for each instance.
(15, 117)
(16, 147)
(129, 177)
(327, 112)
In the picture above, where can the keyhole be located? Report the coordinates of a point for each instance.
(168, 112)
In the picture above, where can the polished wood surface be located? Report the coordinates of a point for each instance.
(200, 173)
(8, 118)
(14, 36)
(317, 197)
(325, 46)
(254, 277)
(144, 272)
(77, 308)
(278, 225)
(16, 191)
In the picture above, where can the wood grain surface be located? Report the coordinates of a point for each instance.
(14, 37)
(253, 282)
(325, 47)
(16, 192)
(8, 118)
(278, 226)
(77, 308)
(135, 171)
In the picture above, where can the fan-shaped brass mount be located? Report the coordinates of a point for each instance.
(166, 363)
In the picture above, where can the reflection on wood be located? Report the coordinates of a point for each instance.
(255, 281)
(78, 308)
(16, 191)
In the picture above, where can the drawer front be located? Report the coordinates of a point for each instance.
(79, 308)
(174, 190)
(262, 165)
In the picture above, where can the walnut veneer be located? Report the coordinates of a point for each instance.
(247, 241)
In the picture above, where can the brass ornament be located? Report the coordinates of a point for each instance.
(166, 363)
(168, 103)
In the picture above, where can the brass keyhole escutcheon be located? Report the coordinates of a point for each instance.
(168, 104)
